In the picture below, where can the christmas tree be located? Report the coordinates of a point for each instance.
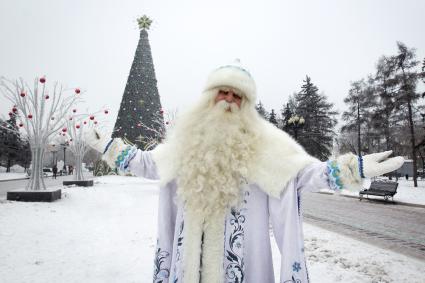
(140, 106)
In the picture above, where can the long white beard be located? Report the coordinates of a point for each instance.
(214, 156)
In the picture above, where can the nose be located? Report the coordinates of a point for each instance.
(229, 97)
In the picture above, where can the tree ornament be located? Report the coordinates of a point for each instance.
(77, 91)
(23, 94)
(21, 125)
(29, 116)
(14, 109)
(47, 96)
(42, 80)
(106, 111)
(77, 126)
(84, 122)
(64, 130)
(74, 110)
(53, 118)
(95, 122)
(92, 117)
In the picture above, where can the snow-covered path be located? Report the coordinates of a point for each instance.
(107, 234)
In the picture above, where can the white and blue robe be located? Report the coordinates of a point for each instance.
(246, 250)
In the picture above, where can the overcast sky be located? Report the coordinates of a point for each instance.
(90, 44)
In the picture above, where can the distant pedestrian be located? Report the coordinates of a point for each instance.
(55, 171)
(407, 176)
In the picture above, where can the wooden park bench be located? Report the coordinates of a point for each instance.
(381, 188)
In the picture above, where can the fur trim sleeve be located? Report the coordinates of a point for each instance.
(349, 172)
(114, 150)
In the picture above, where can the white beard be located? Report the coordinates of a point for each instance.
(215, 151)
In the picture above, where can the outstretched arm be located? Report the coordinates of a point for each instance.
(126, 158)
(346, 171)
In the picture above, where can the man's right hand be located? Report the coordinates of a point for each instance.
(96, 140)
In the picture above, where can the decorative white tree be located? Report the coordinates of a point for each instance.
(73, 131)
(40, 115)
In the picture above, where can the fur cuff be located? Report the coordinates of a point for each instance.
(114, 150)
(349, 171)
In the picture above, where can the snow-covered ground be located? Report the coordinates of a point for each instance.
(12, 176)
(107, 233)
(13, 169)
(16, 172)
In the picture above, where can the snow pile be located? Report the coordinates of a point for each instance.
(13, 169)
(406, 192)
(107, 233)
(12, 176)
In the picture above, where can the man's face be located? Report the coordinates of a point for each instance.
(230, 96)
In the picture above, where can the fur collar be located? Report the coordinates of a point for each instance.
(278, 159)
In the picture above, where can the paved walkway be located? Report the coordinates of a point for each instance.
(390, 226)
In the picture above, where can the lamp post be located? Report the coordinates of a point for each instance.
(296, 123)
(64, 145)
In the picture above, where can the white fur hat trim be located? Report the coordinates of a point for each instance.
(233, 76)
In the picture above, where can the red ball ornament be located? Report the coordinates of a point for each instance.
(23, 94)
(21, 125)
(139, 125)
(106, 111)
(74, 110)
(53, 118)
(77, 90)
(47, 97)
(64, 130)
(95, 122)
(167, 123)
(91, 117)
(84, 122)
(70, 119)
(14, 109)
(10, 114)
(29, 116)
(77, 126)
(42, 80)
(70, 140)
(161, 111)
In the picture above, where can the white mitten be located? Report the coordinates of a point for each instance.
(377, 164)
(97, 140)
(110, 148)
(349, 168)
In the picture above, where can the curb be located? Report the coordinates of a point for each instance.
(19, 179)
(395, 202)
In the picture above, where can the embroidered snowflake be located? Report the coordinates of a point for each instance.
(296, 266)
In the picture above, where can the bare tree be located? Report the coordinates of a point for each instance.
(40, 114)
(162, 122)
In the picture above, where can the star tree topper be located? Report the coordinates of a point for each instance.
(144, 22)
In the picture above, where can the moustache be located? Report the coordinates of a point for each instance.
(226, 106)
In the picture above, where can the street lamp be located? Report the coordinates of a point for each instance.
(295, 123)
(64, 145)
